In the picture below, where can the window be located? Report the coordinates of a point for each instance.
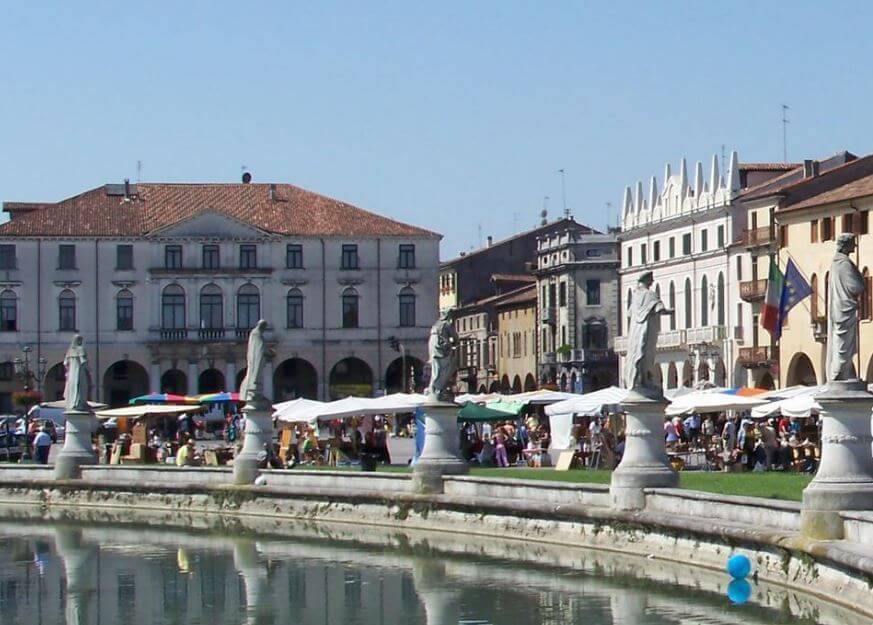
(595, 335)
(248, 306)
(863, 222)
(719, 300)
(688, 305)
(173, 257)
(686, 244)
(866, 309)
(593, 253)
(704, 302)
(783, 236)
(294, 256)
(295, 308)
(7, 257)
(643, 257)
(630, 257)
(592, 292)
(672, 246)
(562, 294)
(350, 308)
(406, 257)
(349, 259)
(211, 257)
(8, 311)
(827, 228)
(407, 307)
(67, 311)
(553, 298)
(66, 256)
(704, 240)
(672, 305)
(656, 251)
(211, 308)
(847, 222)
(7, 371)
(248, 257)
(124, 257)
(545, 297)
(173, 308)
(813, 231)
(720, 236)
(124, 311)
(813, 300)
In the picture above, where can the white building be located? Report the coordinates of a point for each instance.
(165, 280)
(685, 234)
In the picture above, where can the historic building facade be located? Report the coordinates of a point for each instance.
(164, 281)
(577, 295)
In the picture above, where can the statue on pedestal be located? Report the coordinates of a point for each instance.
(646, 309)
(76, 386)
(252, 388)
(442, 350)
(845, 286)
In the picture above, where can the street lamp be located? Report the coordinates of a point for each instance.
(28, 377)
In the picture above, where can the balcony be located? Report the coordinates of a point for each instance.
(753, 290)
(549, 358)
(708, 335)
(548, 315)
(209, 271)
(199, 335)
(757, 237)
(754, 357)
(672, 339)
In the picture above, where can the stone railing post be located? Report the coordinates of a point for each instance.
(78, 449)
(440, 454)
(644, 463)
(258, 433)
(844, 480)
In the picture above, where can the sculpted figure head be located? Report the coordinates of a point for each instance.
(846, 243)
(647, 279)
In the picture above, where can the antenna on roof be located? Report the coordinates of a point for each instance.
(564, 193)
(785, 122)
(544, 214)
(609, 215)
(138, 172)
(479, 231)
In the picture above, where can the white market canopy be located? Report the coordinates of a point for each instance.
(293, 411)
(61, 404)
(150, 410)
(796, 404)
(589, 404)
(477, 398)
(360, 406)
(709, 401)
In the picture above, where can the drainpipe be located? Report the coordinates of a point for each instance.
(379, 376)
(99, 393)
(324, 372)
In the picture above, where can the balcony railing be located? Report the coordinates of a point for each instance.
(671, 339)
(709, 334)
(174, 334)
(756, 237)
(549, 358)
(753, 290)
(760, 356)
(210, 334)
(202, 335)
(548, 315)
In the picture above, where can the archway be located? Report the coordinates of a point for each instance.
(295, 378)
(123, 381)
(516, 384)
(530, 383)
(687, 374)
(766, 381)
(240, 376)
(481, 390)
(397, 382)
(504, 384)
(53, 383)
(719, 379)
(573, 378)
(174, 381)
(562, 383)
(495, 387)
(672, 376)
(351, 376)
(211, 381)
(801, 371)
(703, 372)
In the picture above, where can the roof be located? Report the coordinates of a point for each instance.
(780, 183)
(768, 166)
(495, 300)
(512, 277)
(862, 187)
(525, 295)
(280, 209)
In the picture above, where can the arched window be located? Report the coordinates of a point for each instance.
(124, 311)
(813, 301)
(350, 308)
(248, 306)
(406, 300)
(827, 296)
(688, 306)
(672, 305)
(211, 308)
(67, 311)
(720, 303)
(704, 302)
(295, 308)
(8, 311)
(173, 308)
(866, 308)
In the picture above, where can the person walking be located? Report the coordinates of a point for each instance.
(500, 448)
(42, 445)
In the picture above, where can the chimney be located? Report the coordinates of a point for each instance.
(810, 168)
(246, 178)
(272, 193)
(127, 189)
(490, 240)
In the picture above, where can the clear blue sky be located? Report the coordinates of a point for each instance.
(448, 116)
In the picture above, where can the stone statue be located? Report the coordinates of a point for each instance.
(845, 286)
(252, 388)
(76, 386)
(646, 309)
(442, 348)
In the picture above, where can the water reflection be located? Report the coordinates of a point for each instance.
(93, 574)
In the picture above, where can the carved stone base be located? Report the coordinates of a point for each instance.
(844, 480)
(77, 450)
(644, 463)
(440, 454)
(258, 433)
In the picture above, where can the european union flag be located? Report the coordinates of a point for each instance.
(794, 289)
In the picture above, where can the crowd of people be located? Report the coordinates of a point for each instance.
(505, 443)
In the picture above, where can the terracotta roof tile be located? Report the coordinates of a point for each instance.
(154, 206)
(794, 176)
(768, 166)
(862, 187)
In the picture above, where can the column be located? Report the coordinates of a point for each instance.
(155, 377)
(258, 433)
(644, 463)
(78, 449)
(844, 480)
(230, 376)
(192, 377)
(440, 455)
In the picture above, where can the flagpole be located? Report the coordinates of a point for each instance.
(856, 230)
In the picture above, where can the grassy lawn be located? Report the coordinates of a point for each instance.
(775, 485)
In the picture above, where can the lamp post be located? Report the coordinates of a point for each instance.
(28, 378)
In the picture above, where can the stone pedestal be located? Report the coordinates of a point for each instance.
(844, 480)
(644, 463)
(441, 601)
(258, 433)
(246, 560)
(77, 450)
(440, 455)
(79, 558)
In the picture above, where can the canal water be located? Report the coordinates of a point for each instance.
(87, 573)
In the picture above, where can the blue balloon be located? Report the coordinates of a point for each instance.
(739, 566)
(739, 591)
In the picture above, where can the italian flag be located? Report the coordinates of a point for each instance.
(772, 311)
